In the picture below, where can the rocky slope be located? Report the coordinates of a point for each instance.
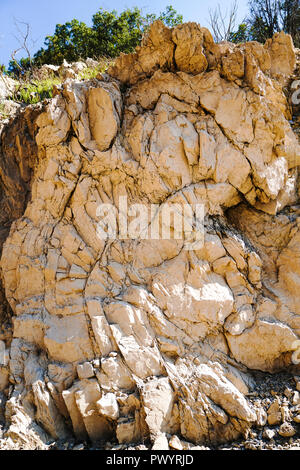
(130, 340)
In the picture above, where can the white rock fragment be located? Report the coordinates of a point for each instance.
(108, 406)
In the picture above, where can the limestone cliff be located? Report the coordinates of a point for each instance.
(134, 338)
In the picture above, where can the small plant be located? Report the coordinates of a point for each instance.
(3, 113)
(37, 84)
(34, 92)
(92, 72)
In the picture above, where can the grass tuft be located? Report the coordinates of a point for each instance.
(34, 92)
(38, 85)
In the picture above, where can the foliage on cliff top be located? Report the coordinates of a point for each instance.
(110, 34)
(37, 85)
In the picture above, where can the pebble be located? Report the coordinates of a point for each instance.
(296, 398)
(288, 392)
(297, 419)
(78, 447)
(274, 413)
(269, 433)
(287, 430)
(202, 448)
(250, 445)
(175, 443)
(261, 417)
(297, 380)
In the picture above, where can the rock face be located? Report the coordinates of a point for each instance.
(7, 86)
(127, 337)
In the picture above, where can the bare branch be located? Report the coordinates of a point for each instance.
(13, 56)
(223, 24)
(23, 36)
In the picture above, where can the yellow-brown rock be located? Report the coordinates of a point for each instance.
(138, 337)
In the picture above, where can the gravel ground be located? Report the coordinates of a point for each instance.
(277, 397)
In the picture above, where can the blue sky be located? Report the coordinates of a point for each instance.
(43, 15)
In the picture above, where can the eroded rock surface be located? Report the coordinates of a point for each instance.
(136, 338)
